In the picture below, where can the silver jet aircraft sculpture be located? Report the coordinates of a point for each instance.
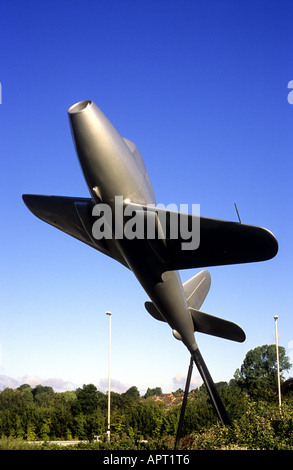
(115, 173)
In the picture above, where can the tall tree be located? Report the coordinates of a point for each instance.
(87, 399)
(132, 393)
(258, 373)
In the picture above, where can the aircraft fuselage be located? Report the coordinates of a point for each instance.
(111, 169)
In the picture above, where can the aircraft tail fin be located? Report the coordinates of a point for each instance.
(196, 289)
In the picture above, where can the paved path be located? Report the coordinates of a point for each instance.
(60, 443)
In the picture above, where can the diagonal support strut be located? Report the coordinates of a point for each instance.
(187, 385)
(219, 406)
(211, 388)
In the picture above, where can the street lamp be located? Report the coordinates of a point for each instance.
(109, 376)
(278, 362)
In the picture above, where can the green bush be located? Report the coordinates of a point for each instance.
(261, 427)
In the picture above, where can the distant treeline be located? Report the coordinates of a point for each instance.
(39, 413)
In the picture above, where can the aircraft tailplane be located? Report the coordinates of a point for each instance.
(196, 290)
(210, 325)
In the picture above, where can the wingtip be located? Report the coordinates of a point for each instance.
(272, 244)
(30, 202)
(27, 198)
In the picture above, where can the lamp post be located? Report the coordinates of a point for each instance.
(278, 362)
(109, 376)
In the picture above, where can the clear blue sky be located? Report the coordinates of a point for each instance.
(201, 88)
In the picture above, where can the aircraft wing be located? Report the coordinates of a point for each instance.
(221, 242)
(72, 216)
